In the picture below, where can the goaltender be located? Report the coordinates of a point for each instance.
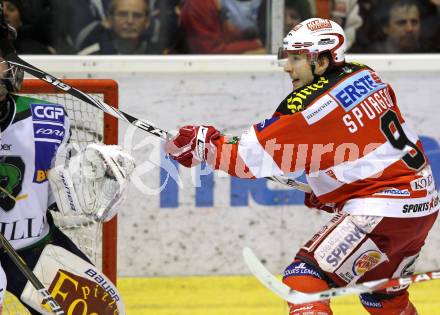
(40, 170)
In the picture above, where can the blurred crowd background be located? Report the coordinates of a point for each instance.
(102, 27)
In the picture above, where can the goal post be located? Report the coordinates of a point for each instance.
(88, 124)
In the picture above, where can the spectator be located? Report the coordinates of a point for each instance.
(170, 35)
(28, 41)
(295, 11)
(431, 23)
(346, 14)
(222, 26)
(399, 28)
(123, 32)
(61, 21)
(85, 12)
(368, 31)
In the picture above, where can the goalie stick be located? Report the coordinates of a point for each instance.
(297, 297)
(21, 265)
(11, 57)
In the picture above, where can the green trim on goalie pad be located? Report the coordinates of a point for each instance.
(237, 295)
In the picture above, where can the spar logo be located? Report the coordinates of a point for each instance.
(367, 261)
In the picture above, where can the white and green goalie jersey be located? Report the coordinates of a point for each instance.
(31, 134)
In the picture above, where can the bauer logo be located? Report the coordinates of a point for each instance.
(356, 88)
(48, 112)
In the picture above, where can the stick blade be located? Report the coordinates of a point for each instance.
(288, 294)
(265, 277)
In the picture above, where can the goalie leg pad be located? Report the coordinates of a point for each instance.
(78, 286)
(304, 277)
(31, 257)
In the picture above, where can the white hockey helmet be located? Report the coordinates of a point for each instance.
(313, 37)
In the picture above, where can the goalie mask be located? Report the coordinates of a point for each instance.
(314, 37)
(11, 78)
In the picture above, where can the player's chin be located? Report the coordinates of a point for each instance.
(297, 84)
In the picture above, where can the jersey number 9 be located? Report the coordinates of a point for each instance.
(399, 141)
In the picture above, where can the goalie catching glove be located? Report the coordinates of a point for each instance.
(193, 144)
(92, 181)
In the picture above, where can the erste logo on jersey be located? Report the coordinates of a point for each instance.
(356, 88)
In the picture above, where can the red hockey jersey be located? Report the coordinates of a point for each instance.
(345, 131)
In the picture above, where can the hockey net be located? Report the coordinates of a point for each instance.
(88, 125)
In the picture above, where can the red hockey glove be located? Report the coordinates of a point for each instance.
(193, 144)
(311, 201)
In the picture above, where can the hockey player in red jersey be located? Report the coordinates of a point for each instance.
(342, 127)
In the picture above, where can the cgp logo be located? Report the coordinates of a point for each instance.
(47, 112)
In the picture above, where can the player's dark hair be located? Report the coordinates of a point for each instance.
(328, 55)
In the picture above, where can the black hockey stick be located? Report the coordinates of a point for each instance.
(12, 58)
(139, 123)
(21, 265)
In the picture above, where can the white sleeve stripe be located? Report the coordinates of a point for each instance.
(260, 163)
(370, 164)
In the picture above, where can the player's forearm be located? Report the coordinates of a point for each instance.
(229, 160)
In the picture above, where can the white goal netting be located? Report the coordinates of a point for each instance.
(87, 126)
